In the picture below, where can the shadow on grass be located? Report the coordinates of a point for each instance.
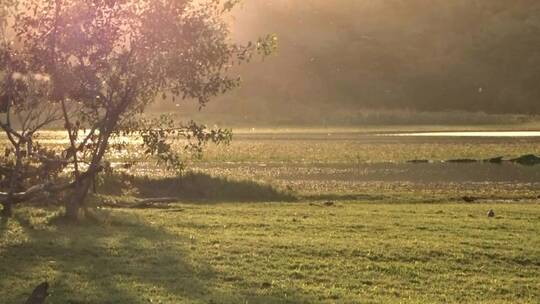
(118, 258)
(193, 187)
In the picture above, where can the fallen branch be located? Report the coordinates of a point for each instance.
(140, 203)
(36, 190)
(158, 200)
(49, 187)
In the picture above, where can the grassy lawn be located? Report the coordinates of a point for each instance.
(352, 252)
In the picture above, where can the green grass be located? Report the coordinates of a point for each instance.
(353, 252)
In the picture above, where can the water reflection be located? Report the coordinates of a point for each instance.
(473, 134)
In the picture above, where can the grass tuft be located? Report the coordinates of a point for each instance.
(193, 187)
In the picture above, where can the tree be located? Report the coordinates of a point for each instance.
(24, 110)
(108, 59)
(25, 161)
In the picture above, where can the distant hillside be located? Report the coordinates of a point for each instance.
(428, 55)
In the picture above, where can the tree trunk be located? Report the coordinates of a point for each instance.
(7, 210)
(84, 182)
(76, 201)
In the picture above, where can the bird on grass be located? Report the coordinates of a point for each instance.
(39, 294)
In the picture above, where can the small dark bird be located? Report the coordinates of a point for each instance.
(329, 203)
(491, 213)
(39, 294)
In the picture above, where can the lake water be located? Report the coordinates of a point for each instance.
(472, 134)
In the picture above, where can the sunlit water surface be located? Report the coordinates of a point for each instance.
(473, 134)
(356, 162)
